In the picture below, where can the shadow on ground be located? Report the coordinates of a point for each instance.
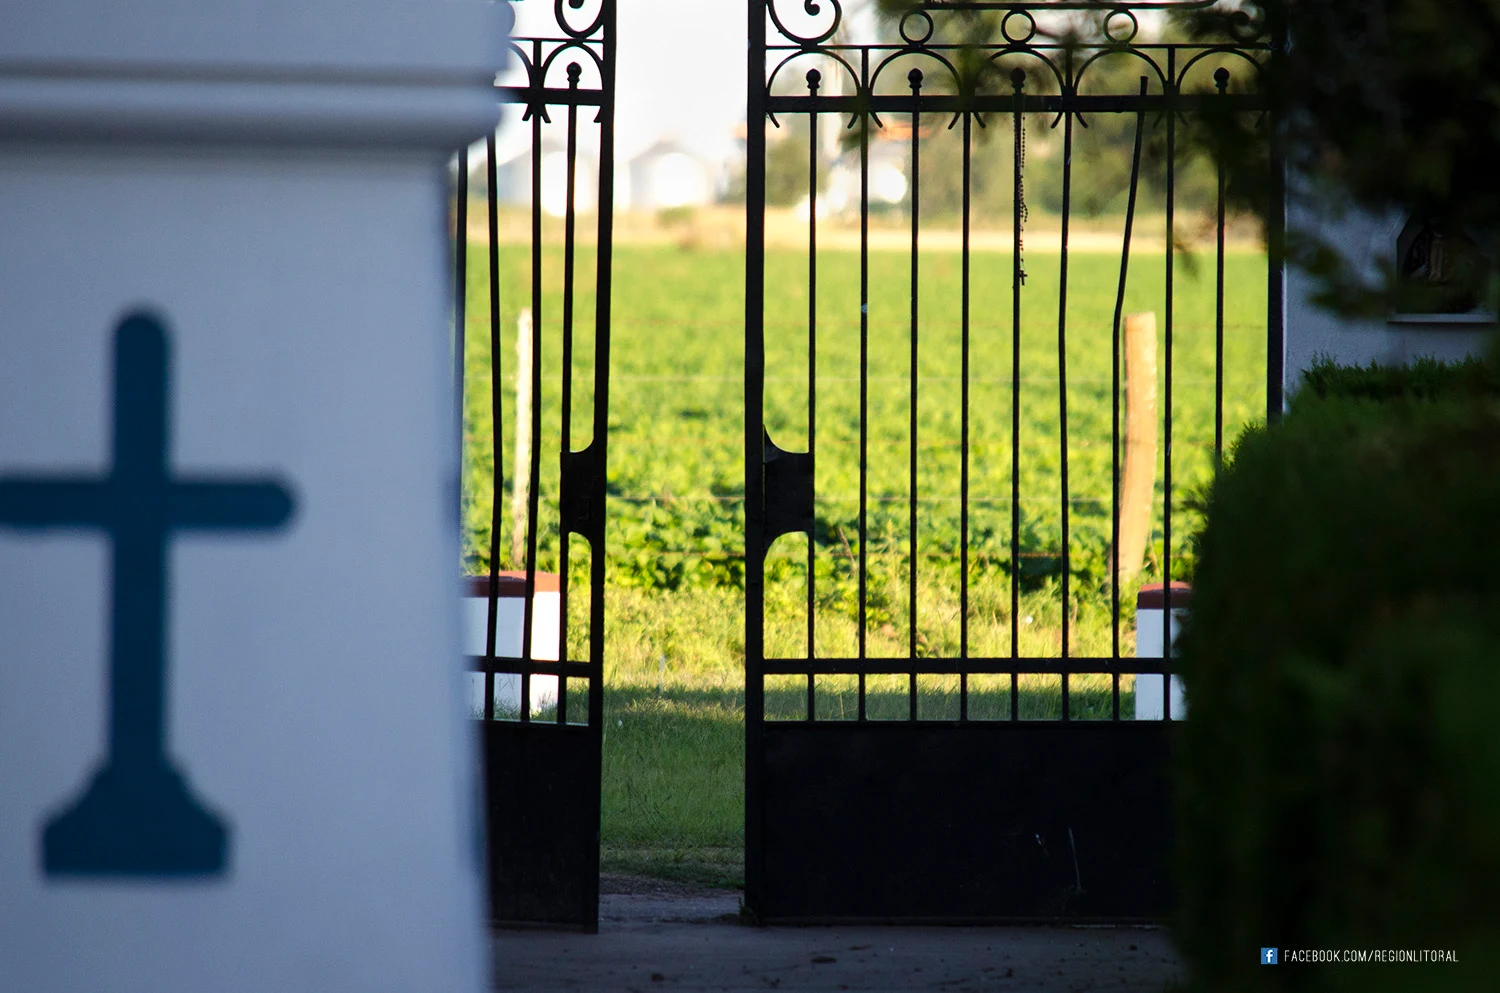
(655, 935)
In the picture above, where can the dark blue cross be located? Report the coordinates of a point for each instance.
(139, 817)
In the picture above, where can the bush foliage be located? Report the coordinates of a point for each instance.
(1424, 379)
(1339, 781)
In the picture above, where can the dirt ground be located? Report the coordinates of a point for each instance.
(657, 936)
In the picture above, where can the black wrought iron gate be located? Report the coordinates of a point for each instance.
(892, 772)
(537, 646)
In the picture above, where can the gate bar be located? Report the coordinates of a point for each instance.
(497, 410)
(570, 225)
(1114, 579)
(1018, 139)
(894, 665)
(963, 490)
(534, 472)
(864, 376)
(1166, 486)
(813, 78)
(994, 103)
(1221, 81)
(915, 78)
(755, 368)
(1062, 376)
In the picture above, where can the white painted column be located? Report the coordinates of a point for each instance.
(510, 622)
(233, 734)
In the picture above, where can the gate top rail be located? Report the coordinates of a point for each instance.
(854, 78)
(1096, 5)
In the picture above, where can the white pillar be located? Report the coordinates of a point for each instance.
(1150, 605)
(510, 622)
(232, 709)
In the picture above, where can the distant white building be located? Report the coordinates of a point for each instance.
(514, 175)
(889, 162)
(668, 174)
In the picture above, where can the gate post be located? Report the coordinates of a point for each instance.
(232, 730)
(755, 370)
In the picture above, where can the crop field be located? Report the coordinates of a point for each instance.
(675, 603)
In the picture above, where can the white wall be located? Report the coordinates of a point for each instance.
(1366, 241)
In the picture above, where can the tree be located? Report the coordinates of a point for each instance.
(1380, 105)
(1377, 105)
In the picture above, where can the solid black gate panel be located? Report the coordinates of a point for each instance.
(543, 824)
(958, 823)
(933, 421)
(539, 705)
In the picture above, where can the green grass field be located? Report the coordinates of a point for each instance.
(673, 752)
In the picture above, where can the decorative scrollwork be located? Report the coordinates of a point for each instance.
(1111, 24)
(1095, 5)
(575, 64)
(1054, 78)
(813, 35)
(917, 28)
(1025, 33)
(1220, 52)
(831, 59)
(565, 20)
(963, 73)
(569, 56)
(948, 79)
(1157, 73)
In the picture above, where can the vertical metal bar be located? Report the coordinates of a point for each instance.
(602, 290)
(529, 608)
(963, 444)
(813, 78)
(1114, 579)
(755, 369)
(1062, 382)
(915, 78)
(1018, 80)
(460, 317)
(1166, 510)
(569, 228)
(1221, 81)
(497, 434)
(864, 373)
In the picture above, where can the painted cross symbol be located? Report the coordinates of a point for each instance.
(139, 817)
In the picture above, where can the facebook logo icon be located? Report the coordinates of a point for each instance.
(1268, 956)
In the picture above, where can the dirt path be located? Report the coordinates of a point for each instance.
(661, 936)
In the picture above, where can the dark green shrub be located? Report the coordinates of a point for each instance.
(1423, 379)
(1339, 777)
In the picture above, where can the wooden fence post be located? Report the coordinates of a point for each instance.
(1138, 485)
(520, 477)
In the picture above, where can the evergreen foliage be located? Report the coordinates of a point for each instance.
(1336, 781)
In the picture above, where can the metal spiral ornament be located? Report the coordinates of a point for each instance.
(815, 9)
(565, 20)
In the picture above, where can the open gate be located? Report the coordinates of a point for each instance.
(541, 281)
(913, 751)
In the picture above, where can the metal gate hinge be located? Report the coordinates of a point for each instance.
(582, 494)
(788, 492)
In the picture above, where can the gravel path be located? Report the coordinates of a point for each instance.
(656, 936)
